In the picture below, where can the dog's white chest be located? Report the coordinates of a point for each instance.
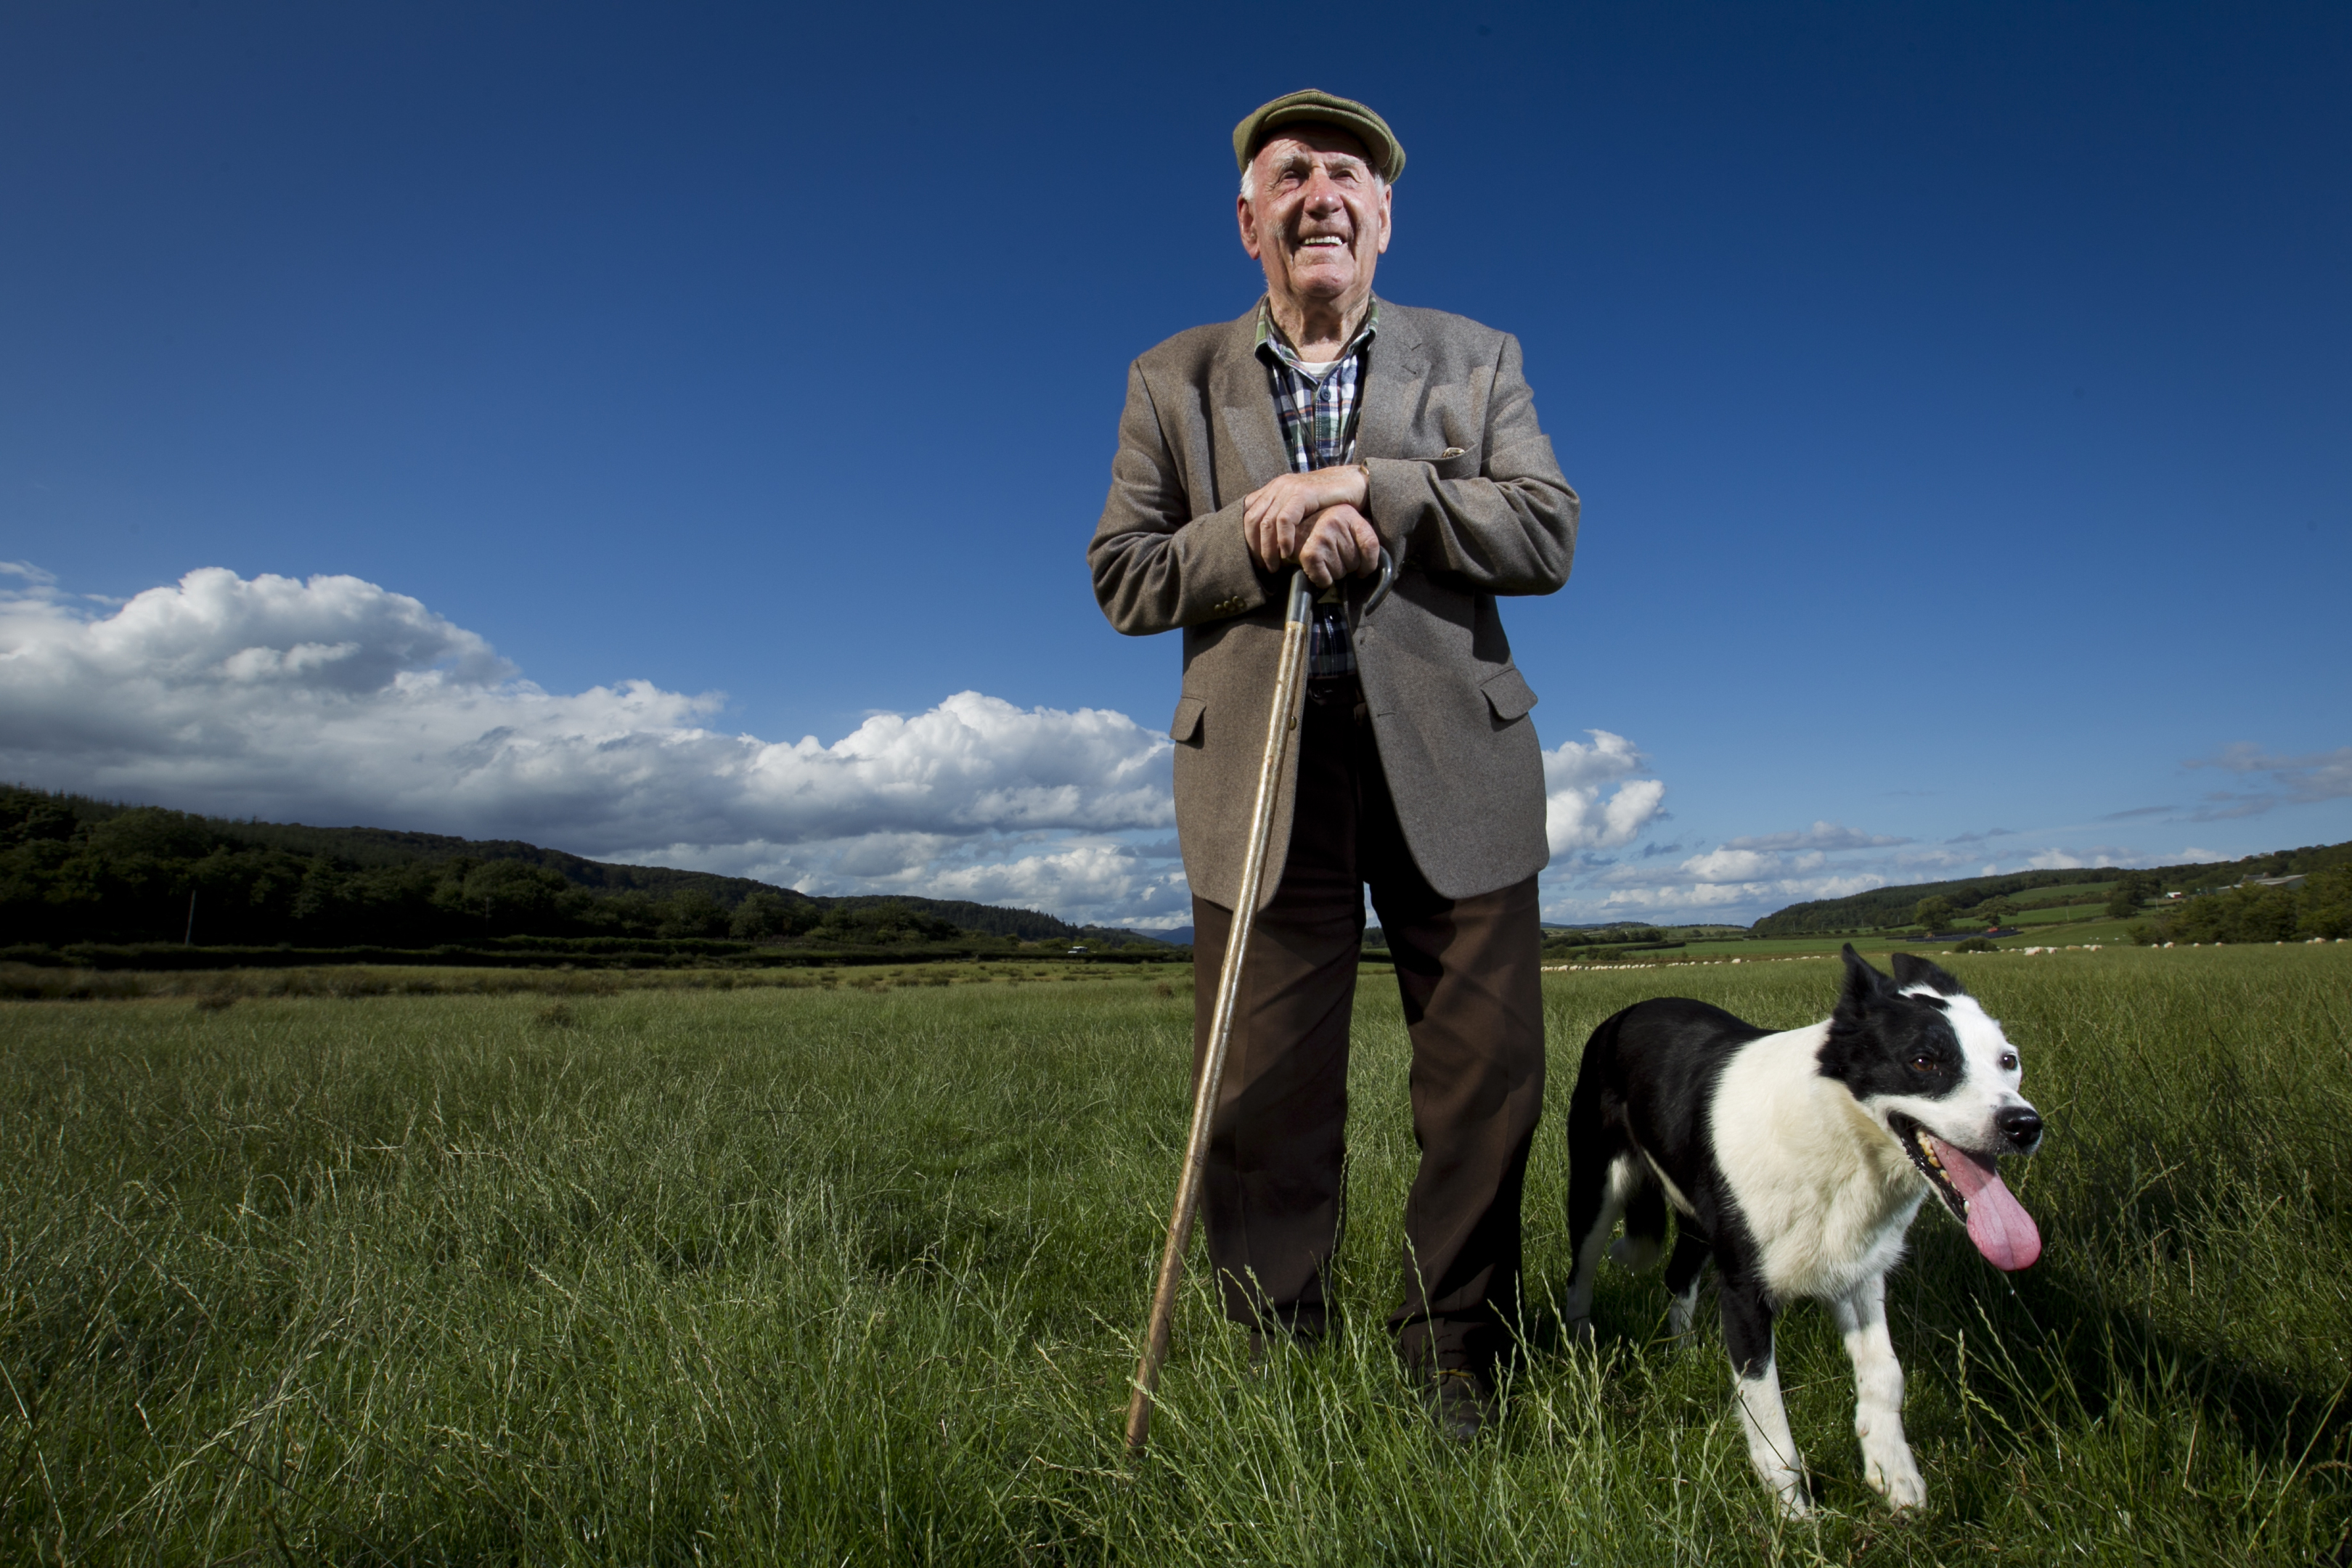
(1826, 1194)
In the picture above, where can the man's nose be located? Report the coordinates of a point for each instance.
(2021, 1125)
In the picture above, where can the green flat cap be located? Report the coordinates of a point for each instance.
(1386, 153)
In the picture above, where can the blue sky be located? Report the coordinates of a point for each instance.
(537, 420)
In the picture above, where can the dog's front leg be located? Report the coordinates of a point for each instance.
(1772, 1447)
(1886, 1461)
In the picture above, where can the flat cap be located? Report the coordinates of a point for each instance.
(1385, 152)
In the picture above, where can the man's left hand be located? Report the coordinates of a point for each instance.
(1277, 518)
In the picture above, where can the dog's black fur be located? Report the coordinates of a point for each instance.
(1796, 1161)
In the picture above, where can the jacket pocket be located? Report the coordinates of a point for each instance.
(1455, 462)
(1509, 695)
(1185, 728)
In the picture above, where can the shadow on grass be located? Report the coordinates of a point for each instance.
(2062, 1353)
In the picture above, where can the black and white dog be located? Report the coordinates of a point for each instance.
(1797, 1160)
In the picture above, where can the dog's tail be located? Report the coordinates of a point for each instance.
(1646, 1215)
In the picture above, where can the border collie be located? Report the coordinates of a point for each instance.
(1797, 1160)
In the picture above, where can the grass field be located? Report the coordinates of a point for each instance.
(835, 1275)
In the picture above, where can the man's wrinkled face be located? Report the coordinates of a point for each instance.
(1316, 218)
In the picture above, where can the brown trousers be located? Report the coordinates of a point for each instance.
(1468, 971)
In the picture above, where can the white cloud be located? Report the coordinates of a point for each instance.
(2057, 859)
(1736, 878)
(1820, 835)
(1728, 865)
(1749, 876)
(2292, 781)
(1575, 777)
(336, 700)
(1084, 877)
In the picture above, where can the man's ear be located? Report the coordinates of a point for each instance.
(1249, 227)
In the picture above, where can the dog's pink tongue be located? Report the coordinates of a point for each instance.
(1997, 1223)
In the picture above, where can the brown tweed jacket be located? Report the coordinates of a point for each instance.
(1469, 500)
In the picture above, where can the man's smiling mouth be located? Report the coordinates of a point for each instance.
(1323, 242)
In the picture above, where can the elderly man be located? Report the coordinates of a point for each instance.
(1320, 427)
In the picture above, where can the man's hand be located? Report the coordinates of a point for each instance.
(1340, 543)
(1278, 519)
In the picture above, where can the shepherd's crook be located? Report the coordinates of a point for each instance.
(1290, 686)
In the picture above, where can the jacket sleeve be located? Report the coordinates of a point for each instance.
(1508, 528)
(1156, 565)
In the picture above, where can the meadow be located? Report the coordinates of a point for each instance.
(854, 1274)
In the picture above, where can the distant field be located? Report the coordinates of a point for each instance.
(2065, 925)
(2047, 914)
(821, 1274)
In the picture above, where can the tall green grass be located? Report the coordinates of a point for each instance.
(833, 1276)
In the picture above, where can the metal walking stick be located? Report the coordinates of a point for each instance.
(1289, 687)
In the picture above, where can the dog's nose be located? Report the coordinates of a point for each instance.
(2021, 1125)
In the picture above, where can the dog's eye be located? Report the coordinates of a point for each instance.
(2009, 1061)
(1923, 1062)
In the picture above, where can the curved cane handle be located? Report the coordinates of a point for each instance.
(1381, 589)
(1302, 592)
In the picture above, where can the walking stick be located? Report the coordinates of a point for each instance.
(1289, 687)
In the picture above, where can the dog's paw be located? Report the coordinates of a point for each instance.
(1896, 1479)
(1789, 1491)
(1786, 1481)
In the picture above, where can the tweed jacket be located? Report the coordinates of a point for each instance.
(1469, 501)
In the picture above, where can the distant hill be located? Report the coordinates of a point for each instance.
(1883, 907)
(381, 847)
(75, 870)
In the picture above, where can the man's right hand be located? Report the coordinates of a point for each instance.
(1340, 543)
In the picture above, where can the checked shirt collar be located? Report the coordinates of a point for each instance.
(1318, 417)
(1318, 431)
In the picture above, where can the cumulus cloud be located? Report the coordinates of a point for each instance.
(1754, 874)
(1771, 869)
(2075, 859)
(1820, 835)
(2287, 781)
(333, 700)
(1576, 778)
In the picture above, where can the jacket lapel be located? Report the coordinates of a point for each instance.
(1245, 418)
(1392, 389)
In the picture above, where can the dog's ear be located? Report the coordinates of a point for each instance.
(1910, 971)
(1863, 985)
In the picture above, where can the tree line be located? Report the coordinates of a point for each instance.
(1555, 942)
(77, 870)
(1979, 899)
(2322, 906)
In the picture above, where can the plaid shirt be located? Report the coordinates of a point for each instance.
(1318, 431)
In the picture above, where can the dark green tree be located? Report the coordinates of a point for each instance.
(763, 917)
